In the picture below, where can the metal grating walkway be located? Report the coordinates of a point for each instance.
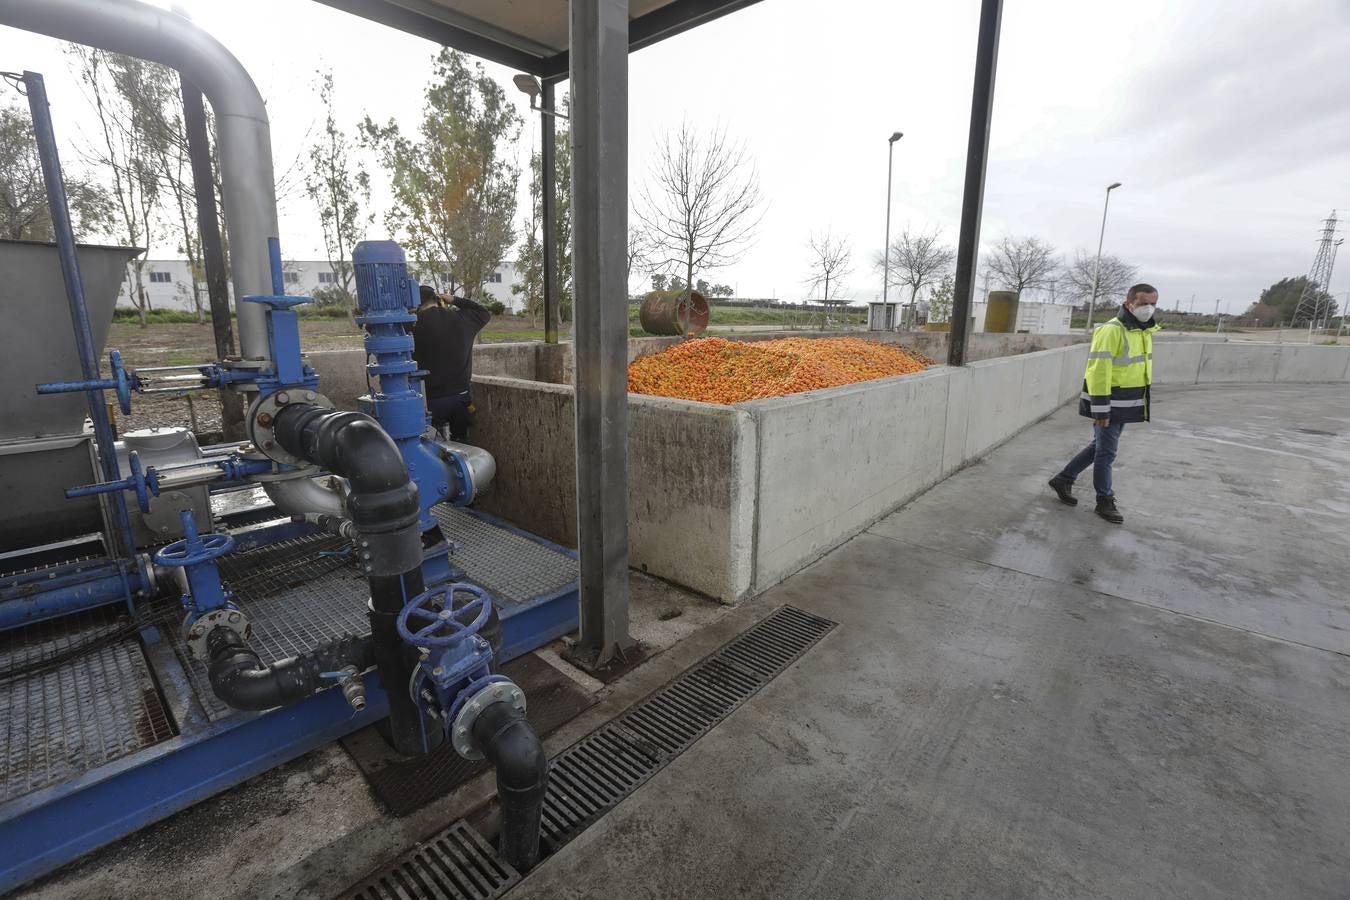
(510, 565)
(89, 700)
(296, 593)
(593, 775)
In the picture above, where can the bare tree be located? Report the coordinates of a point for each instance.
(1114, 276)
(1021, 264)
(831, 262)
(639, 250)
(703, 203)
(918, 259)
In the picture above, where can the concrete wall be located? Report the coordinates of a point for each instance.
(690, 479)
(833, 462)
(1236, 362)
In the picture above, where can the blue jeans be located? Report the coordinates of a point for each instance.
(1099, 454)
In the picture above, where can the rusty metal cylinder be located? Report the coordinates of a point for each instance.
(674, 312)
(1000, 317)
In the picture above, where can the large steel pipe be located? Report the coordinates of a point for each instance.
(242, 129)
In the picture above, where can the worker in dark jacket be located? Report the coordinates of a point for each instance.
(443, 345)
(1116, 391)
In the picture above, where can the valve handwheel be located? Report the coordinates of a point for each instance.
(194, 548)
(444, 624)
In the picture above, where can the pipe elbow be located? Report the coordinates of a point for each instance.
(305, 496)
(241, 680)
(510, 743)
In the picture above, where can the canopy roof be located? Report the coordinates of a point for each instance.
(530, 35)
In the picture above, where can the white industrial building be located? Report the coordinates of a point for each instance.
(169, 286)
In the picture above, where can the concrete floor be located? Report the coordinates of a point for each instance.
(1024, 701)
(1020, 700)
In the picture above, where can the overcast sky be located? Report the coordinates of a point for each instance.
(1227, 124)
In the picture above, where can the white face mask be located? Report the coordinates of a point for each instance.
(1143, 313)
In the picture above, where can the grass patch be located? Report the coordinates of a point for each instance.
(130, 316)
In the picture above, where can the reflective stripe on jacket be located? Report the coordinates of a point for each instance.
(1119, 372)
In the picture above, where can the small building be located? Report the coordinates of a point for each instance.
(168, 283)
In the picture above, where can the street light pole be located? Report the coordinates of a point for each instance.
(886, 247)
(1096, 266)
(1218, 322)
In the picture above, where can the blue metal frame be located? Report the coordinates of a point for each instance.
(42, 831)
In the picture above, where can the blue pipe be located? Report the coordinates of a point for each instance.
(386, 297)
(60, 600)
(79, 313)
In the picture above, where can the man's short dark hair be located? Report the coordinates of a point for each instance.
(1137, 289)
(428, 293)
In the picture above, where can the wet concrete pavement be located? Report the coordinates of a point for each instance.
(1024, 701)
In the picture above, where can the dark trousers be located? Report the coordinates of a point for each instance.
(1100, 454)
(452, 416)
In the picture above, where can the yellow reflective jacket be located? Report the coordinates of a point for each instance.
(1119, 372)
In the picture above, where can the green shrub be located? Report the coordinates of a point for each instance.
(132, 316)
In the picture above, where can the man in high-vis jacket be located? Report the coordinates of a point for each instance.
(1115, 392)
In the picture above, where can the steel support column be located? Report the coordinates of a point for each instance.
(213, 250)
(549, 209)
(977, 157)
(599, 127)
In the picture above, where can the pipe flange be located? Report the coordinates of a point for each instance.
(461, 730)
(263, 413)
(224, 617)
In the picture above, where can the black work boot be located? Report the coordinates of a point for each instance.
(1106, 508)
(1063, 489)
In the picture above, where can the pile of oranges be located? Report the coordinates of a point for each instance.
(715, 370)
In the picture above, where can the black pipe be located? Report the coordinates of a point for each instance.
(213, 249)
(508, 741)
(239, 678)
(383, 505)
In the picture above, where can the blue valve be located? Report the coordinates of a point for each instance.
(145, 484)
(444, 625)
(122, 381)
(194, 549)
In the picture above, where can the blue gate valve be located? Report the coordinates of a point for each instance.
(122, 381)
(144, 482)
(454, 678)
(207, 602)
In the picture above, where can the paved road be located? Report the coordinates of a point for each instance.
(1023, 701)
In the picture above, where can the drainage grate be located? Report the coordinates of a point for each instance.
(593, 775)
(456, 864)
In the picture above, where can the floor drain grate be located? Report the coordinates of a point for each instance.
(456, 864)
(593, 775)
